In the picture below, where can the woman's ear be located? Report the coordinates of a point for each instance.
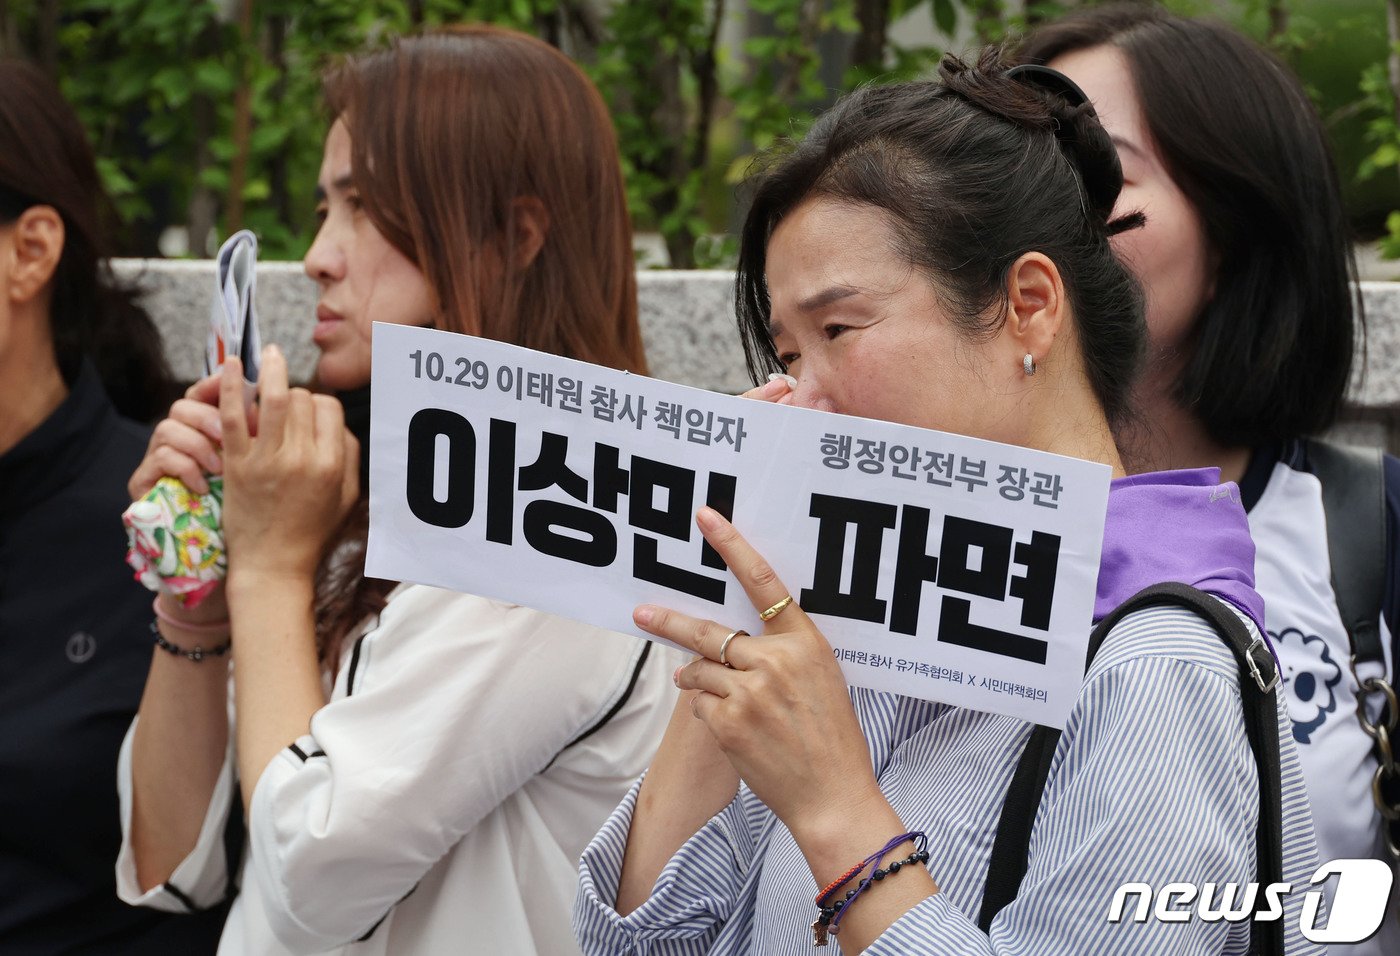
(36, 246)
(531, 228)
(1037, 306)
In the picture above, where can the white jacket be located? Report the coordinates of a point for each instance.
(445, 793)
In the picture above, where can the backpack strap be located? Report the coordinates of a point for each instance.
(1353, 501)
(1259, 678)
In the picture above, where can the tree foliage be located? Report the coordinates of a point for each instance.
(207, 114)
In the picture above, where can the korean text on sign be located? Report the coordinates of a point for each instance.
(938, 566)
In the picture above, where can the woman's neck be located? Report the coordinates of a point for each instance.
(1166, 437)
(1067, 419)
(31, 386)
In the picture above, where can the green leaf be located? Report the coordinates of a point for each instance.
(268, 137)
(182, 521)
(1387, 155)
(945, 17)
(126, 88)
(1390, 244)
(222, 148)
(214, 78)
(215, 178)
(172, 84)
(118, 183)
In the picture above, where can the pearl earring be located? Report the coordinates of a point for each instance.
(1028, 363)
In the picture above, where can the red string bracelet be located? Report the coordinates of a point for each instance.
(841, 881)
(879, 854)
(828, 921)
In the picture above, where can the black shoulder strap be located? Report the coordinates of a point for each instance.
(1259, 678)
(1353, 501)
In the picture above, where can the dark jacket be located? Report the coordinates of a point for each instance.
(75, 646)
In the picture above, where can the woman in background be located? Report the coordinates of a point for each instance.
(1246, 260)
(420, 769)
(81, 369)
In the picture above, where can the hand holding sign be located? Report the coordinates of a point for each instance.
(778, 707)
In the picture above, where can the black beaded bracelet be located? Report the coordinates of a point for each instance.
(829, 919)
(196, 655)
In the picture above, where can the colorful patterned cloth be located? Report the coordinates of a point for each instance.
(176, 541)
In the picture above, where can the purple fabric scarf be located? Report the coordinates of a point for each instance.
(1177, 526)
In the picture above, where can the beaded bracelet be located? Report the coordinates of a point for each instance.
(876, 857)
(828, 922)
(196, 655)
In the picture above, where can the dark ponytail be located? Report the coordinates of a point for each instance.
(974, 171)
(45, 160)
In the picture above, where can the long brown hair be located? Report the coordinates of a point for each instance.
(45, 160)
(448, 130)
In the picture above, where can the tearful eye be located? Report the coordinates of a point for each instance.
(787, 358)
(834, 330)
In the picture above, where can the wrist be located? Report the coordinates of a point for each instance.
(176, 613)
(834, 834)
(270, 561)
(260, 582)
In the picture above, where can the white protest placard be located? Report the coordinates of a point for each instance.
(938, 566)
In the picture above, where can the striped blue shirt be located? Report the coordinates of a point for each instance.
(1153, 781)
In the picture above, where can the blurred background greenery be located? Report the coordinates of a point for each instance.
(207, 118)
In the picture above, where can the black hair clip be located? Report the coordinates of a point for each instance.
(1099, 170)
(1051, 81)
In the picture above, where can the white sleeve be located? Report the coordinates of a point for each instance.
(442, 711)
(201, 879)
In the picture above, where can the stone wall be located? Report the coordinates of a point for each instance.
(688, 323)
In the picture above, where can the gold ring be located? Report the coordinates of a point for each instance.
(772, 612)
(724, 648)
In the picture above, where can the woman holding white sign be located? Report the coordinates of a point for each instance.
(937, 254)
(419, 768)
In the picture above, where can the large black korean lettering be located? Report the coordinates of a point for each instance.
(500, 482)
(672, 518)
(914, 567)
(565, 531)
(594, 541)
(556, 528)
(424, 430)
(1036, 588)
(1041, 558)
(719, 495)
(987, 578)
(660, 500)
(834, 514)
